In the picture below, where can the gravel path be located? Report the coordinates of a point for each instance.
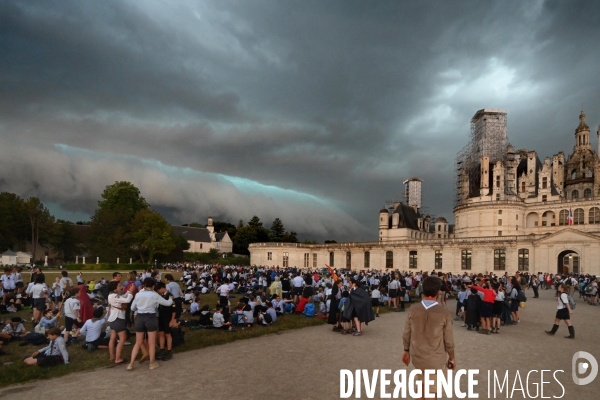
(306, 363)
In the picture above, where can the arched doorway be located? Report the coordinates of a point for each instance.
(568, 262)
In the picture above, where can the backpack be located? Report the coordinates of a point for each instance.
(521, 296)
(268, 319)
(237, 319)
(309, 310)
(571, 301)
(178, 336)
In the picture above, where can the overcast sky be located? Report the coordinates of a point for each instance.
(311, 111)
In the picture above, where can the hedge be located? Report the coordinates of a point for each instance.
(106, 267)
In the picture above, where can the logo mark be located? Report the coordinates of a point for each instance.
(582, 367)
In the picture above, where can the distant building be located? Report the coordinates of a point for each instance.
(15, 258)
(512, 212)
(201, 240)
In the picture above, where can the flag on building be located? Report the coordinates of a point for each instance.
(570, 217)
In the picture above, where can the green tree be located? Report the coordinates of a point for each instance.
(41, 222)
(123, 196)
(244, 236)
(14, 229)
(329, 241)
(196, 225)
(151, 234)
(225, 227)
(255, 222)
(247, 235)
(291, 237)
(277, 230)
(111, 224)
(65, 241)
(240, 223)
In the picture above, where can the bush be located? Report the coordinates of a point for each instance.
(106, 267)
(209, 258)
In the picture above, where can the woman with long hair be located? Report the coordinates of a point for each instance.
(514, 302)
(86, 310)
(146, 302)
(116, 319)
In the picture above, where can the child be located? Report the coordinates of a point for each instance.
(166, 321)
(50, 319)
(219, 321)
(14, 329)
(195, 307)
(205, 317)
(309, 309)
(53, 354)
(95, 337)
(346, 323)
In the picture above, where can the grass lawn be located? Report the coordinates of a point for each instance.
(81, 360)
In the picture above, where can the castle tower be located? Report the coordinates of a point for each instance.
(412, 188)
(582, 134)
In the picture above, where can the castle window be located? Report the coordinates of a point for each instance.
(563, 215)
(499, 212)
(523, 260)
(523, 187)
(389, 259)
(575, 194)
(438, 259)
(269, 256)
(367, 259)
(412, 259)
(499, 260)
(499, 222)
(465, 259)
(331, 259)
(544, 183)
(498, 181)
(544, 198)
(497, 196)
(348, 260)
(314, 260)
(499, 233)
(578, 217)
(439, 228)
(306, 259)
(587, 193)
(594, 215)
(286, 260)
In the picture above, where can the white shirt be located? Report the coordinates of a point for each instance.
(71, 304)
(92, 329)
(147, 301)
(298, 281)
(375, 294)
(39, 290)
(116, 302)
(8, 282)
(224, 290)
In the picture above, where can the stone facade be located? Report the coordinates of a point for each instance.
(514, 213)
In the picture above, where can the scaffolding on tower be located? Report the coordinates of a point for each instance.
(488, 138)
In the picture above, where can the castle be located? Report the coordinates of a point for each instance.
(512, 212)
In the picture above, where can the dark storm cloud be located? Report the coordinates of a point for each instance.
(339, 101)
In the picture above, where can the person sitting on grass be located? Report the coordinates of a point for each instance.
(95, 337)
(309, 309)
(50, 319)
(219, 321)
(205, 317)
(263, 317)
(53, 354)
(14, 329)
(271, 311)
(195, 307)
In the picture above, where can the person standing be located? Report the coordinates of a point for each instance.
(563, 312)
(428, 336)
(535, 283)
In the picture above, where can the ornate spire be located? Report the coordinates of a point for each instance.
(582, 125)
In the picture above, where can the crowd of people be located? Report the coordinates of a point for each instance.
(149, 305)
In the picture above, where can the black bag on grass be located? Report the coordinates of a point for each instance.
(178, 337)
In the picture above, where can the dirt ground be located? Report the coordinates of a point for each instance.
(306, 363)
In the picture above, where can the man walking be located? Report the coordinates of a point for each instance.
(428, 337)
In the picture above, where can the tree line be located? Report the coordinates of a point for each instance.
(123, 226)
